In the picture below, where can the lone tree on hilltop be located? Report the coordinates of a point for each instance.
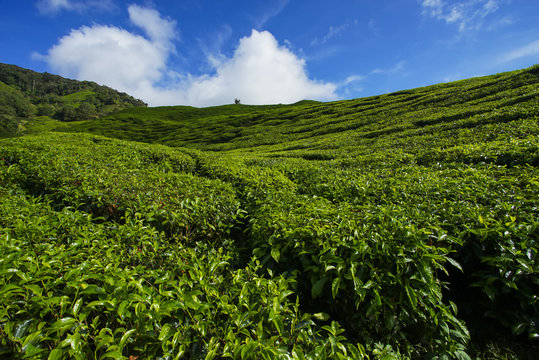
(237, 101)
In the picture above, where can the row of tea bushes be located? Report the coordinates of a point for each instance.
(114, 180)
(72, 287)
(482, 216)
(371, 270)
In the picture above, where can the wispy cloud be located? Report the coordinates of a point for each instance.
(52, 7)
(392, 70)
(530, 49)
(433, 8)
(260, 71)
(467, 15)
(271, 13)
(212, 47)
(353, 83)
(352, 79)
(332, 32)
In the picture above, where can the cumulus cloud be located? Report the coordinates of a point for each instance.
(158, 29)
(468, 15)
(259, 72)
(108, 55)
(116, 57)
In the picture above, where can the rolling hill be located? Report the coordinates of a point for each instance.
(399, 226)
(468, 104)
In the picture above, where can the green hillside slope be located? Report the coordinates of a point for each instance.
(44, 101)
(13, 105)
(403, 226)
(326, 128)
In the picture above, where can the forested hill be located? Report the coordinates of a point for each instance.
(28, 95)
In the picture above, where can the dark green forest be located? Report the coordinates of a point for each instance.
(28, 97)
(398, 226)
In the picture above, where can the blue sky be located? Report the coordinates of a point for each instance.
(203, 53)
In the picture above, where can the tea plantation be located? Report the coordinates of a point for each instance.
(400, 226)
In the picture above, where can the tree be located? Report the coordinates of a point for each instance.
(85, 111)
(45, 110)
(67, 113)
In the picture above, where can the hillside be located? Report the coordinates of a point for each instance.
(30, 101)
(334, 129)
(401, 226)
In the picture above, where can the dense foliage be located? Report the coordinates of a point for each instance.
(393, 227)
(28, 96)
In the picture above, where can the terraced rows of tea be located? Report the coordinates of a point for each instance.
(401, 226)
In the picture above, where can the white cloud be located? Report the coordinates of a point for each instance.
(490, 7)
(157, 28)
(116, 57)
(432, 7)
(212, 45)
(332, 32)
(454, 15)
(108, 55)
(352, 79)
(55, 6)
(274, 11)
(260, 71)
(351, 85)
(529, 49)
(395, 69)
(468, 15)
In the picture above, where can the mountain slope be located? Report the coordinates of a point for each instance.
(44, 98)
(13, 104)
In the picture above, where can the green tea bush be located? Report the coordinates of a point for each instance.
(398, 226)
(75, 288)
(110, 181)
